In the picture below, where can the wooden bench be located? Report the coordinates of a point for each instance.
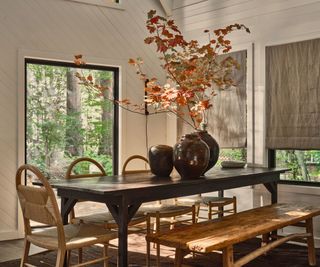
(222, 234)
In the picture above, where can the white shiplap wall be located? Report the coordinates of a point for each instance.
(271, 22)
(58, 29)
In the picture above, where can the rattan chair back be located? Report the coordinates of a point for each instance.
(71, 175)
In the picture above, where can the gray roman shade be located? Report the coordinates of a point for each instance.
(227, 119)
(293, 95)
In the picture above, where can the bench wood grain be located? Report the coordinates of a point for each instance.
(224, 233)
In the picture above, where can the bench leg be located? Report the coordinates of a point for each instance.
(227, 256)
(265, 239)
(310, 241)
(179, 257)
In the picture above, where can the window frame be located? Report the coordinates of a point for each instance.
(272, 163)
(115, 70)
(102, 3)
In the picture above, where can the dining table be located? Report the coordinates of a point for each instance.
(124, 194)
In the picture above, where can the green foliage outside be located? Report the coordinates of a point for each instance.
(55, 136)
(304, 164)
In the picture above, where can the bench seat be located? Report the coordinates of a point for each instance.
(224, 233)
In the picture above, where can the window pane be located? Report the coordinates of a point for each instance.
(65, 120)
(304, 164)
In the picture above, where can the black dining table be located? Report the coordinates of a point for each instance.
(123, 195)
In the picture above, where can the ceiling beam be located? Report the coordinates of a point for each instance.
(167, 6)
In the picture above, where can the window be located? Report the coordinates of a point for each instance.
(293, 116)
(117, 4)
(304, 164)
(65, 120)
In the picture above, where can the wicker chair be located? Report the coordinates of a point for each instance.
(104, 219)
(214, 206)
(160, 215)
(39, 204)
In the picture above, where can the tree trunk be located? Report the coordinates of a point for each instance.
(302, 164)
(73, 137)
(106, 142)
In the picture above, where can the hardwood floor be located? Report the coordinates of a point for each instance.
(12, 249)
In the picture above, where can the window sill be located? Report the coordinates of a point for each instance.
(102, 3)
(299, 188)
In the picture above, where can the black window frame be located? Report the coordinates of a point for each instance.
(115, 70)
(272, 163)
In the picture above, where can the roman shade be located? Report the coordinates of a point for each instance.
(292, 95)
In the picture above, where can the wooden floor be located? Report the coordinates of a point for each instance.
(10, 250)
(13, 249)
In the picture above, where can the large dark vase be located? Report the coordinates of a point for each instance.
(213, 147)
(191, 156)
(160, 160)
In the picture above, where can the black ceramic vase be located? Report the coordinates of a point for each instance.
(160, 160)
(213, 147)
(191, 156)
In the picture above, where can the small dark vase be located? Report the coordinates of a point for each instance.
(213, 147)
(160, 160)
(191, 156)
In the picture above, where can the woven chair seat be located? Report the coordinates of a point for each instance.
(164, 209)
(217, 200)
(76, 236)
(197, 200)
(190, 200)
(106, 219)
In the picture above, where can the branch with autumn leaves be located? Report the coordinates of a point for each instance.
(194, 72)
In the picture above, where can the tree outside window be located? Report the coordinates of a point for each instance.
(64, 120)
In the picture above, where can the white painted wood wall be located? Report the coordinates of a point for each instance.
(271, 22)
(58, 29)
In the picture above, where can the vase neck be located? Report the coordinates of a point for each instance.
(203, 126)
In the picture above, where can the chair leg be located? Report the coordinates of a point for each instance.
(197, 211)
(80, 258)
(158, 231)
(158, 255)
(105, 254)
(60, 257)
(234, 205)
(209, 211)
(148, 254)
(25, 252)
(68, 259)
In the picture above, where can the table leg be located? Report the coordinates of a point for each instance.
(66, 206)
(123, 213)
(273, 189)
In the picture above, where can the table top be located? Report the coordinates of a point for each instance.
(222, 178)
